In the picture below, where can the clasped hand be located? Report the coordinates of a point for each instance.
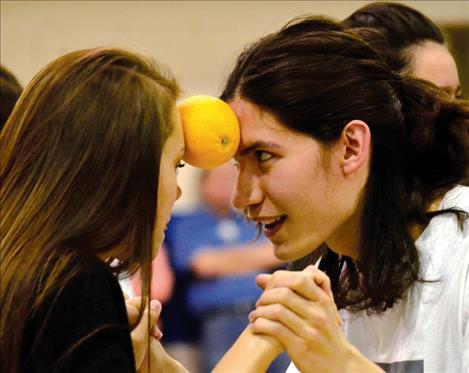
(159, 359)
(298, 309)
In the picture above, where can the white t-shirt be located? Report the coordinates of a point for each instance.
(428, 331)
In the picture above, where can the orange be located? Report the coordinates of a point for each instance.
(211, 131)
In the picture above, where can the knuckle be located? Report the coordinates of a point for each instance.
(299, 282)
(320, 322)
(325, 301)
(311, 335)
(277, 311)
(277, 328)
(326, 280)
(284, 294)
(277, 276)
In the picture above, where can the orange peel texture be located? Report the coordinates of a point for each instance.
(211, 131)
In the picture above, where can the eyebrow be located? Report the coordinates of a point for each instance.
(256, 145)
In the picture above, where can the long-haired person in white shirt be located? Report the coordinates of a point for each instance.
(339, 150)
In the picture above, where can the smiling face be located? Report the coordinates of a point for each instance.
(168, 188)
(294, 186)
(433, 62)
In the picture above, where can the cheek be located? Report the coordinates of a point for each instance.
(306, 195)
(165, 200)
(290, 183)
(167, 194)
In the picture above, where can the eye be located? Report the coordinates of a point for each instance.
(263, 156)
(179, 166)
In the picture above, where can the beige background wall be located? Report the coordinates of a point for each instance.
(198, 40)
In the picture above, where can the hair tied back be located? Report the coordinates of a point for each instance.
(396, 76)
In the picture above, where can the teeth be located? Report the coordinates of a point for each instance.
(271, 221)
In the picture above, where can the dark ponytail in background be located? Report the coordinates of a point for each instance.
(400, 25)
(315, 76)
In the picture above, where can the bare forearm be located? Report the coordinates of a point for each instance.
(251, 353)
(236, 260)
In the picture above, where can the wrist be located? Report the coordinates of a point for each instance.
(251, 353)
(268, 347)
(358, 363)
(162, 362)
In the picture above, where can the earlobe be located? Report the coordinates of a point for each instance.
(355, 139)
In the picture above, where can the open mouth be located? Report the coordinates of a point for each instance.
(272, 228)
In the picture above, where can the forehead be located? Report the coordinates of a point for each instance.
(433, 62)
(259, 125)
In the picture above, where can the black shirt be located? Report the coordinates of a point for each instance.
(85, 329)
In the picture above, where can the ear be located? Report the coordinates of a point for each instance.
(355, 143)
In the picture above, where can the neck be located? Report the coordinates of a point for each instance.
(346, 239)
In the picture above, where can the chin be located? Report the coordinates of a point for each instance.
(284, 252)
(289, 253)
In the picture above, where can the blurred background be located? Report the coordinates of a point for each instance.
(198, 40)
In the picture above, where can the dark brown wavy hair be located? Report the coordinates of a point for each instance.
(79, 169)
(315, 75)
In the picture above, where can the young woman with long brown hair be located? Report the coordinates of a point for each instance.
(88, 175)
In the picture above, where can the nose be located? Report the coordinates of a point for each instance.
(247, 192)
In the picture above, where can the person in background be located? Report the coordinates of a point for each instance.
(162, 279)
(415, 44)
(10, 90)
(214, 251)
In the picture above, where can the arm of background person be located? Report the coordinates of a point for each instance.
(162, 281)
(234, 260)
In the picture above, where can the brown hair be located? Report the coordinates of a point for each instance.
(10, 90)
(315, 76)
(79, 171)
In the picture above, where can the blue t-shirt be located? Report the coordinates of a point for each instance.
(189, 233)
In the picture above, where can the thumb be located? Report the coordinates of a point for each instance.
(263, 280)
(156, 307)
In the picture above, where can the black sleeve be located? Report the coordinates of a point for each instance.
(86, 328)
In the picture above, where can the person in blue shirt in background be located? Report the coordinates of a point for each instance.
(216, 257)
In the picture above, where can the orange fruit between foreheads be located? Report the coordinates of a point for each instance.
(211, 131)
